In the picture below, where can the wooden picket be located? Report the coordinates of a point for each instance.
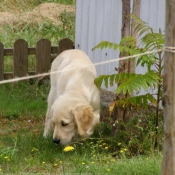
(43, 52)
(21, 51)
(64, 44)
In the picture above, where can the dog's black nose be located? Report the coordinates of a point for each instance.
(57, 141)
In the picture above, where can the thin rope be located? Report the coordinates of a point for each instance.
(169, 49)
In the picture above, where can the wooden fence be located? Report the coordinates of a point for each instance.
(20, 52)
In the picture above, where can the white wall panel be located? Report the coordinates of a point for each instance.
(98, 20)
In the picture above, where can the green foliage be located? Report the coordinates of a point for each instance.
(141, 26)
(129, 83)
(137, 101)
(139, 137)
(148, 36)
(127, 45)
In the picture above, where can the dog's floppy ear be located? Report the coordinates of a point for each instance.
(83, 117)
(95, 122)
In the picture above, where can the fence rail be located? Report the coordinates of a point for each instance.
(20, 52)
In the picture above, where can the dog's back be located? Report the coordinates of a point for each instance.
(73, 56)
(76, 73)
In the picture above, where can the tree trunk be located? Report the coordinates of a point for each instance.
(135, 11)
(122, 114)
(125, 31)
(168, 164)
(119, 114)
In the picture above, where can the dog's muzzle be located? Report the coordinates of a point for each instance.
(57, 141)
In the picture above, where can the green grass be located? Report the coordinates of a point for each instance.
(30, 153)
(24, 150)
(23, 100)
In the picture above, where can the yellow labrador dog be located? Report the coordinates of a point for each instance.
(74, 100)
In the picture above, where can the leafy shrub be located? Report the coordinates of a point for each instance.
(138, 137)
(148, 54)
(142, 133)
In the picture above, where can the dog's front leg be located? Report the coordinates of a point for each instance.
(48, 124)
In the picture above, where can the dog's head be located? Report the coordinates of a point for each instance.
(69, 121)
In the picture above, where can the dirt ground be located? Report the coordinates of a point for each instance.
(12, 126)
(44, 12)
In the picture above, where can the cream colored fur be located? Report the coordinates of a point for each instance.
(74, 100)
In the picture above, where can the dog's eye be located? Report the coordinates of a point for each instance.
(64, 124)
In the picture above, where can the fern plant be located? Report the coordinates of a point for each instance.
(129, 82)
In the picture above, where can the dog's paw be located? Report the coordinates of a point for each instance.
(45, 134)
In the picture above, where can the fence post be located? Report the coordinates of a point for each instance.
(43, 54)
(20, 62)
(65, 44)
(168, 100)
(1, 61)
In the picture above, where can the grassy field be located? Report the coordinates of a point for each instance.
(23, 150)
(28, 152)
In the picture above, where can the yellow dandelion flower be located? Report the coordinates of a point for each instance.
(34, 149)
(43, 162)
(106, 147)
(108, 170)
(83, 163)
(6, 157)
(121, 151)
(0, 169)
(68, 148)
(55, 164)
(61, 161)
(125, 149)
(119, 144)
(92, 162)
